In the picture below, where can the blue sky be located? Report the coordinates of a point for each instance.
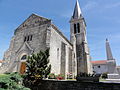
(102, 18)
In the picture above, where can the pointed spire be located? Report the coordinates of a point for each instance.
(108, 51)
(77, 11)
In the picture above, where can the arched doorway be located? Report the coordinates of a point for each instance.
(23, 64)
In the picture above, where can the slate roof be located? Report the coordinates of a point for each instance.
(77, 11)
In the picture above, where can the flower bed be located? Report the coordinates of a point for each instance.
(58, 77)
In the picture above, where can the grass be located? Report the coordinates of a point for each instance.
(101, 79)
(3, 75)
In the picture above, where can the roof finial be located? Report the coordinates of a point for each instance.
(77, 11)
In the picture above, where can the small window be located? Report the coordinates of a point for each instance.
(58, 53)
(24, 57)
(74, 55)
(74, 28)
(30, 37)
(98, 66)
(25, 39)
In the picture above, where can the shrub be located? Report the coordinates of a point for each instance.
(37, 67)
(51, 76)
(104, 75)
(88, 75)
(11, 81)
(84, 77)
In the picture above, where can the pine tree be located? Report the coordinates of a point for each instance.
(38, 67)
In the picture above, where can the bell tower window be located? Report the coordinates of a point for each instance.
(78, 27)
(74, 28)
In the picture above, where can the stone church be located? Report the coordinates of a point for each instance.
(105, 66)
(38, 33)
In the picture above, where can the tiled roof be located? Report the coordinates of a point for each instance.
(99, 62)
(1, 61)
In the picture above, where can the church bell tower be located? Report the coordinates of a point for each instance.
(79, 41)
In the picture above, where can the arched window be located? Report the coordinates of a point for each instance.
(78, 27)
(24, 57)
(25, 39)
(74, 55)
(74, 28)
(28, 38)
(58, 53)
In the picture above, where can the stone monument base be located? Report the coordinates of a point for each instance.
(113, 76)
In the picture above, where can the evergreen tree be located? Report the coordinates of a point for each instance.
(37, 67)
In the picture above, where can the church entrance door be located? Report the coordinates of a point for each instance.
(23, 67)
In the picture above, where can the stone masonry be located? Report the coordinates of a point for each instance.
(38, 33)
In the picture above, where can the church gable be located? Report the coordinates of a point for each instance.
(32, 21)
(25, 47)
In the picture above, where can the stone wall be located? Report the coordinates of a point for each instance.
(100, 68)
(59, 52)
(74, 85)
(63, 58)
(34, 34)
(30, 37)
